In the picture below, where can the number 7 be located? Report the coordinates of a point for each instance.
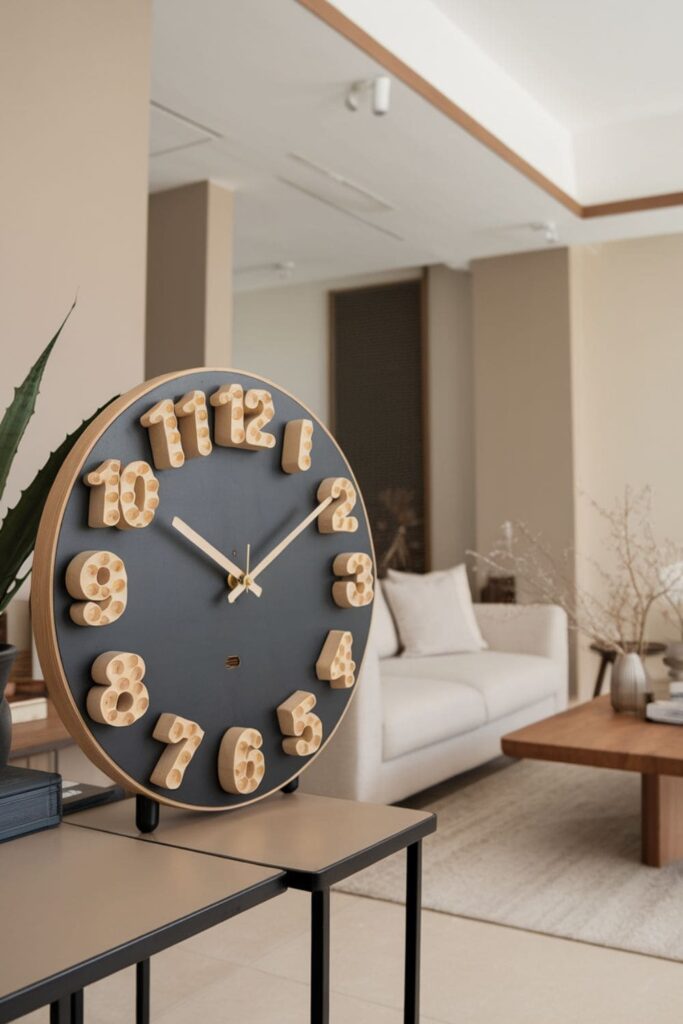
(183, 738)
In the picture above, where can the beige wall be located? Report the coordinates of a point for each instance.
(189, 278)
(627, 309)
(523, 399)
(74, 77)
(451, 415)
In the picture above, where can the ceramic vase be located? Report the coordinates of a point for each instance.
(7, 655)
(629, 688)
(674, 661)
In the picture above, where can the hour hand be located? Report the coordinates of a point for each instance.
(213, 553)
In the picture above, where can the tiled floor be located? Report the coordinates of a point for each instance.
(255, 968)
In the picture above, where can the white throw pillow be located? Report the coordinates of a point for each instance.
(383, 628)
(434, 612)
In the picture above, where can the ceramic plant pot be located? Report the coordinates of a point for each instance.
(7, 655)
(629, 688)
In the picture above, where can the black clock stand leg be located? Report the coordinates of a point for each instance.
(146, 813)
(291, 787)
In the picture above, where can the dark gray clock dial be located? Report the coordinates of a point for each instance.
(217, 664)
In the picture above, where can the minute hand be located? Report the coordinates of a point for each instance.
(279, 548)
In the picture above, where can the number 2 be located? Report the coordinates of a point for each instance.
(336, 518)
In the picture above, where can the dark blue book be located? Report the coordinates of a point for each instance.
(29, 801)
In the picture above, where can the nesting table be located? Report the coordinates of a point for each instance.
(314, 841)
(77, 905)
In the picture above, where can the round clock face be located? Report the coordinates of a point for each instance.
(203, 586)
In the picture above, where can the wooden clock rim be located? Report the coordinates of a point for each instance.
(42, 603)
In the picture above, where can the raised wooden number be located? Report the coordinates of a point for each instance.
(260, 403)
(103, 508)
(335, 663)
(120, 697)
(139, 496)
(354, 590)
(233, 428)
(183, 737)
(302, 729)
(228, 402)
(297, 446)
(98, 577)
(336, 518)
(194, 424)
(126, 499)
(241, 764)
(161, 423)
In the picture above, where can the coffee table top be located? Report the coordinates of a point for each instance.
(594, 734)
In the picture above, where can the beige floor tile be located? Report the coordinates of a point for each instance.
(474, 972)
(246, 938)
(259, 998)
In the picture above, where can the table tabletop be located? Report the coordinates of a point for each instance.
(77, 905)
(594, 734)
(316, 840)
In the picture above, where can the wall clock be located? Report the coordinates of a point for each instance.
(202, 589)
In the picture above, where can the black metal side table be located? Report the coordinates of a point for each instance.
(77, 906)
(607, 657)
(316, 841)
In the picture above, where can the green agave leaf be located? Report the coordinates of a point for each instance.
(21, 408)
(20, 525)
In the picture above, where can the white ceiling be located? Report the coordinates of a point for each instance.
(240, 88)
(590, 61)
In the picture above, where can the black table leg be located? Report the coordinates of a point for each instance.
(142, 992)
(60, 1010)
(320, 957)
(77, 1007)
(604, 662)
(411, 1001)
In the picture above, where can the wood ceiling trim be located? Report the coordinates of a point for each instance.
(332, 17)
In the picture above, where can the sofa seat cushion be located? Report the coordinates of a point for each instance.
(506, 682)
(420, 711)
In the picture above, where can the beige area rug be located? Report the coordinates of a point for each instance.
(548, 848)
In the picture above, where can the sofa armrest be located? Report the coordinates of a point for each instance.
(348, 766)
(539, 629)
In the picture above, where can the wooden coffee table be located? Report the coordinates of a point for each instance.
(593, 734)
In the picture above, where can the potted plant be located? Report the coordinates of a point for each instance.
(20, 524)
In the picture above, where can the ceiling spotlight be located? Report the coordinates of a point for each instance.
(380, 90)
(549, 229)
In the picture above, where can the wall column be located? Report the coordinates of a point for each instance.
(450, 410)
(523, 398)
(189, 278)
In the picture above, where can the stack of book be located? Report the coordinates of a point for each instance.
(29, 801)
(667, 711)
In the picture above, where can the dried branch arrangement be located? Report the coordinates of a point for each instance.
(637, 574)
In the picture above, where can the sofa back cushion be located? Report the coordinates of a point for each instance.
(383, 628)
(433, 612)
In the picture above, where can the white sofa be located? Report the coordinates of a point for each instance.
(417, 721)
